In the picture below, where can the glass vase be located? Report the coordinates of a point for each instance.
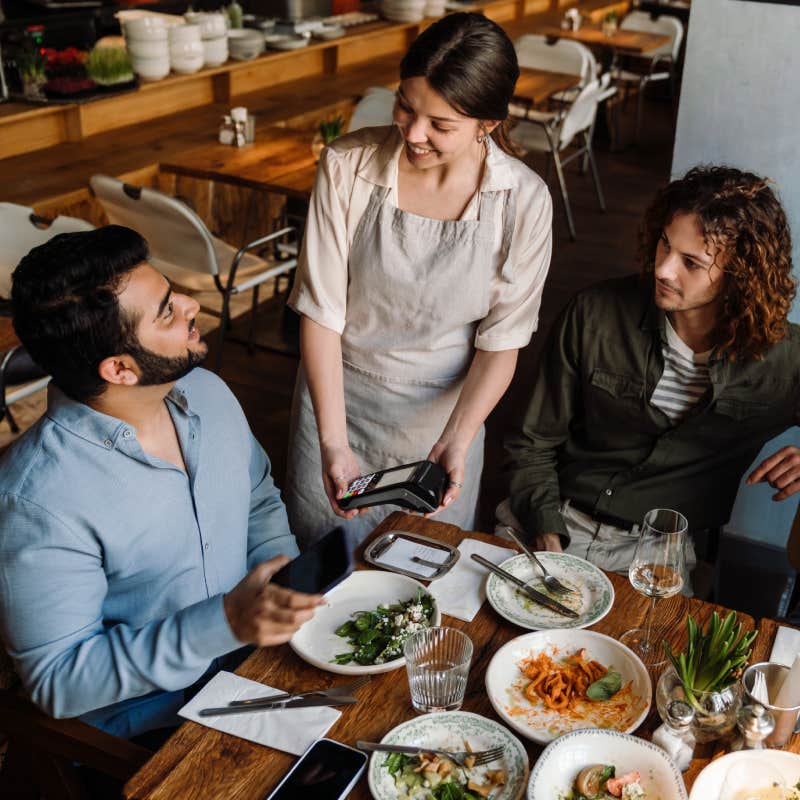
(714, 712)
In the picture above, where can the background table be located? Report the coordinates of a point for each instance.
(198, 762)
(622, 41)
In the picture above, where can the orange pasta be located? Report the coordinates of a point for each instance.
(560, 685)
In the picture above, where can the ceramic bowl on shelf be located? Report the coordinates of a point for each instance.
(186, 65)
(143, 48)
(215, 51)
(180, 34)
(146, 28)
(212, 24)
(188, 49)
(278, 42)
(151, 69)
(245, 43)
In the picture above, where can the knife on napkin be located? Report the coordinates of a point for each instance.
(537, 597)
(302, 702)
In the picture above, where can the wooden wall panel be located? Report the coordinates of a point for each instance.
(394, 40)
(268, 72)
(502, 12)
(31, 131)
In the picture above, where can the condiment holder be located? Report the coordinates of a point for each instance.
(785, 716)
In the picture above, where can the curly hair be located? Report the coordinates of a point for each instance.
(738, 213)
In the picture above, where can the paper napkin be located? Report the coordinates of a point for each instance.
(786, 646)
(292, 730)
(461, 592)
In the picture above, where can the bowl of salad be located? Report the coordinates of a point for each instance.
(361, 628)
(597, 764)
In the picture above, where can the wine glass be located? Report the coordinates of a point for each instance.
(656, 571)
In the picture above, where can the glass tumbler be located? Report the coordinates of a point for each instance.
(437, 661)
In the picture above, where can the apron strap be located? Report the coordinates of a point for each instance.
(509, 215)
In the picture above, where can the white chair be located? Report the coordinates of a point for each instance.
(183, 249)
(373, 109)
(20, 231)
(554, 133)
(658, 65)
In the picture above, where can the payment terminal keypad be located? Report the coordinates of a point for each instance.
(359, 486)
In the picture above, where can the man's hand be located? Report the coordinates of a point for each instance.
(781, 471)
(547, 541)
(264, 614)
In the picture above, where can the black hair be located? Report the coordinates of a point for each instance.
(65, 304)
(470, 61)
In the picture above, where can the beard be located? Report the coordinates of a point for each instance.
(156, 369)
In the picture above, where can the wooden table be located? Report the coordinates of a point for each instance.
(198, 762)
(637, 42)
(538, 85)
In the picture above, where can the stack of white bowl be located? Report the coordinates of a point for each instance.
(146, 40)
(214, 33)
(245, 43)
(186, 53)
(434, 8)
(403, 10)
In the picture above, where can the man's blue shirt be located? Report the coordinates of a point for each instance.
(113, 562)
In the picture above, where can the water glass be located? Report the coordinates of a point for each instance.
(437, 661)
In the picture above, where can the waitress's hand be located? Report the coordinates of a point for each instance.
(339, 468)
(452, 458)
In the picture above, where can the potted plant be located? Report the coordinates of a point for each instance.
(327, 131)
(706, 675)
(610, 23)
(109, 66)
(31, 67)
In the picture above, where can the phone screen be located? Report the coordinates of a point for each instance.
(323, 773)
(320, 568)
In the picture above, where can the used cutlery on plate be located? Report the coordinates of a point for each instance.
(550, 581)
(292, 702)
(333, 691)
(459, 756)
(537, 597)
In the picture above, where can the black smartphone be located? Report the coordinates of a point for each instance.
(419, 487)
(328, 770)
(317, 570)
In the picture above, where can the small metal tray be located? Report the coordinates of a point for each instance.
(373, 553)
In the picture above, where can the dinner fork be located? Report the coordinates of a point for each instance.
(459, 756)
(334, 691)
(550, 581)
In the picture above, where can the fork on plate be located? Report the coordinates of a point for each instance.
(459, 756)
(550, 581)
(334, 691)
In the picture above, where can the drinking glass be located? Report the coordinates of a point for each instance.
(656, 571)
(437, 661)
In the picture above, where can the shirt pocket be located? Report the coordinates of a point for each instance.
(621, 388)
(615, 411)
(740, 410)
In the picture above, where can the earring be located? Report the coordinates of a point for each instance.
(481, 138)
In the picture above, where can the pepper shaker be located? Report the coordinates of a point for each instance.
(755, 724)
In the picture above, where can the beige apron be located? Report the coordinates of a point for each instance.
(417, 289)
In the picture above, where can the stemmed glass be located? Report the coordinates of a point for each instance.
(656, 571)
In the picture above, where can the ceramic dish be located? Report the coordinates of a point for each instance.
(317, 643)
(449, 730)
(562, 760)
(750, 765)
(592, 598)
(505, 683)
(285, 42)
(328, 32)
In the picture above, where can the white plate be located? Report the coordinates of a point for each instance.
(563, 759)
(317, 643)
(505, 683)
(708, 784)
(279, 41)
(448, 730)
(592, 598)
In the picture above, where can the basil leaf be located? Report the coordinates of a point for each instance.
(606, 687)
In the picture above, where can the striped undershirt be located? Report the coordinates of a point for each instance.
(685, 378)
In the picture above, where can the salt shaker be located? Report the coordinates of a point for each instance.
(675, 735)
(755, 724)
(226, 130)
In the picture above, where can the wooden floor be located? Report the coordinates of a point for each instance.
(605, 248)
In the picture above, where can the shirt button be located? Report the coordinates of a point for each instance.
(609, 492)
(126, 434)
(194, 436)
(206, 546)
(108, 443)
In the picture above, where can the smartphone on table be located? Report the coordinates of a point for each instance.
(319, 568)
(328, 770)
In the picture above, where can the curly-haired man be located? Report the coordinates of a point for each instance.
(659, 390)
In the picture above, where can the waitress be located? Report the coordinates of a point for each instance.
(424, 259)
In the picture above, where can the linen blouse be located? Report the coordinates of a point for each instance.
(349, 170)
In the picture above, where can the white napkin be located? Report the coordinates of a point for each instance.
(461, 592)
(786, 646)
(292, 730)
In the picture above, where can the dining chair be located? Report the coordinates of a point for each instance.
(661, 64)
(554, 133)
(182, 247)
(20, 377)
(373, 109)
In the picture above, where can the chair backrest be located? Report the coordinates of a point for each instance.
(560, 55)
(667, 25)
(373, 109)
(581, 113)
(21, 230)
(175, 233)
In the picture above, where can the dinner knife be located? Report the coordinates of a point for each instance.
(303, 702)
(537, 597)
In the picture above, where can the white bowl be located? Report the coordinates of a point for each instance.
(143, 48)
(563, 759)
(186, 65)
(178, 34)
(151, 69)
(708, 784)
(187, 49)
(505, 683)
(151, 28)
(215, 51)
(212, 25)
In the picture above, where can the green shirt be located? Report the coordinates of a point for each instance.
(591, 435)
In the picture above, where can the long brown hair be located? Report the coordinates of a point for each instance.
(739, 214)
(470, 61)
